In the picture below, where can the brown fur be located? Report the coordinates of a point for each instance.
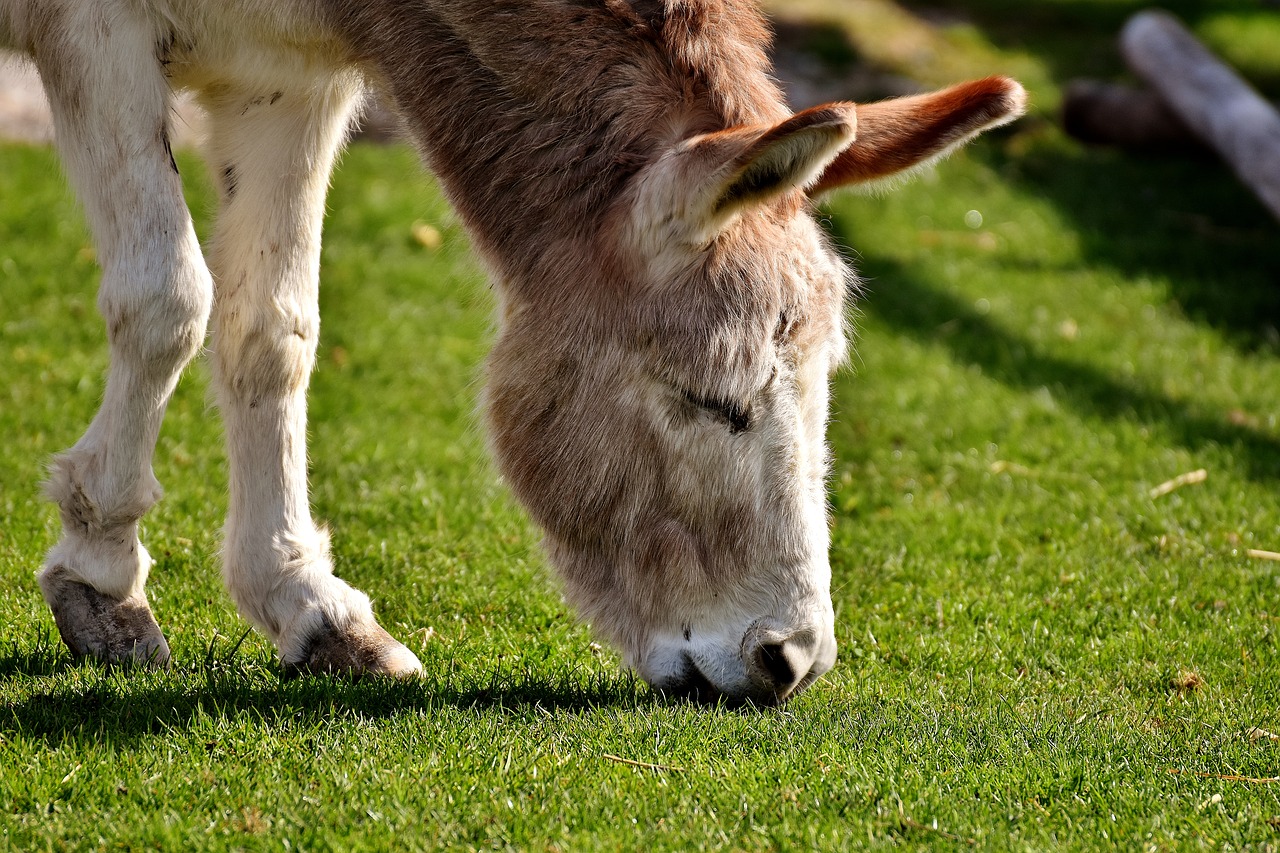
(900, 134)
(548, 121)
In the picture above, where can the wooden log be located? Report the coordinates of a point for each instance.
(1112, 114)
(1213, 100)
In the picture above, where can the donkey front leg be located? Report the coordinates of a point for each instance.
(272, 152)
(110, 109)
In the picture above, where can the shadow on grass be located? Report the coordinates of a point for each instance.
(1186, 222)
(1078, 37)
(1194, 230)
(88, 702)
(914, 308)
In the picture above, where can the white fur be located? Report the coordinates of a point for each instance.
(279, 102)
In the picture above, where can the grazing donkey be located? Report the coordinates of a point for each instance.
(670, 312)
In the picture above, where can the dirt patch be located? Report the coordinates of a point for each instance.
(24, 110)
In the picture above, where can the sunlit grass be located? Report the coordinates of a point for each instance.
(1036, 652)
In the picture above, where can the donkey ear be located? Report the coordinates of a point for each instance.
(726, 171)
(903, 134)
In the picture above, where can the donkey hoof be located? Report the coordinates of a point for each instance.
(355, 650)
(97, 626)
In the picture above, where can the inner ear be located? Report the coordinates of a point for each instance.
(788, 163)
(730, 170)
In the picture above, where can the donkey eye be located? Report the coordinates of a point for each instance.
(734, 413)
(785, 330)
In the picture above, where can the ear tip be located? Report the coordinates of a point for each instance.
(1010, 93)
(1016, 95)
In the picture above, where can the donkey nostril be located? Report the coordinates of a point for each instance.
(773, 662)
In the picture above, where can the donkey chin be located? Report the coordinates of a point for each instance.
(766, 660)
(760, 637)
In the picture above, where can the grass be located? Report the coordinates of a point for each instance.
(1036, 653)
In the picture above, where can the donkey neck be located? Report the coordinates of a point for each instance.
(535, 115)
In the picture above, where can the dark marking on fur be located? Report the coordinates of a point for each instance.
(786, 330)
(229, 178)
(164, 47)
(253, 102)
(652, 12)
(78, 512)
(169, 49)
(168, 148)
(275, 96)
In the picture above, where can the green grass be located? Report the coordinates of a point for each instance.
(1043, 43)
(1016, 613)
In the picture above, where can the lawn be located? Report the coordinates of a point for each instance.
(1036, 652)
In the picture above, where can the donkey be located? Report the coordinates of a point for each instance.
(669, 310)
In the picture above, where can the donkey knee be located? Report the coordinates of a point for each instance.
(92, 507)
(157, 315)
(267, 352)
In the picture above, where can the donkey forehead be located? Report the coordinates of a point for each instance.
(772, 273)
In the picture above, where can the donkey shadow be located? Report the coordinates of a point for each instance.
(1184, 219)
(127, 707)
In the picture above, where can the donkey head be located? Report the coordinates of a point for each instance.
(665, 421)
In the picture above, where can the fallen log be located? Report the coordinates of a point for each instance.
(1113, 114)
(1219, 106)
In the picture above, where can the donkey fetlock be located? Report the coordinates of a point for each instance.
(320, 624)
(94, 578)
